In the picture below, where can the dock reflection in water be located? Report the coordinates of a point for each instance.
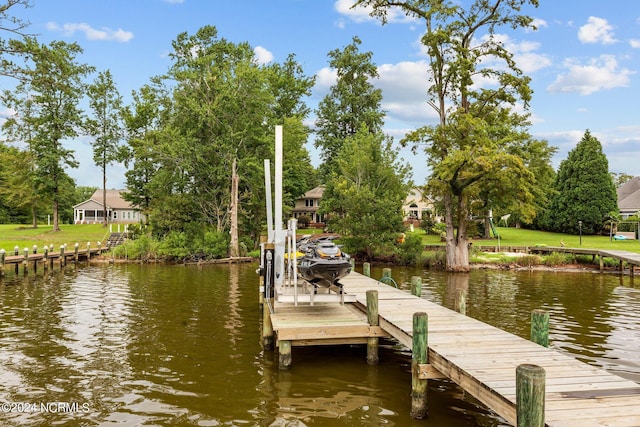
(174, 345)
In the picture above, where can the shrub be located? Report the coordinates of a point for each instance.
(410, 251)
(556, 259)
(529, 260)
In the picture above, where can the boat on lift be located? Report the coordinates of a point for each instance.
(324, 264)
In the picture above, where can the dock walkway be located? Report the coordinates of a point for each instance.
(478, 357)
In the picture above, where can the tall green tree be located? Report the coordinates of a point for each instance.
(351, 102)
(472, 142)
(105, 127)
(584, 190)
(11, 47)
(144, 122)
(52, 93)
(363, 200)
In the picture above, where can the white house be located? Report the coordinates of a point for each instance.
(118, 210)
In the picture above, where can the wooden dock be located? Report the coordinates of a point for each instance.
(478, 357)
(27, 258)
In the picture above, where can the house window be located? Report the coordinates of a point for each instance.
(308, 203)
(115, 214)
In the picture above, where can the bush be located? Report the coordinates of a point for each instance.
(529, 260)
(410, 252)
(555, 259)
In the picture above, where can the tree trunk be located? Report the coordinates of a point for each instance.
(457, 252)
(34, 216)
(104, 197)
(56, 225)
(234, 249)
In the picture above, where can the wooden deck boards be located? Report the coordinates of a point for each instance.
(483, 359)
(480, 358)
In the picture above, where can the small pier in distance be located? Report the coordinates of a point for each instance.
(478, 357)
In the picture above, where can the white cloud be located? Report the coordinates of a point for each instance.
(91, 33)
(635, 43)
(538, 23)
(262, 55)
(599, 74)
(596, 30)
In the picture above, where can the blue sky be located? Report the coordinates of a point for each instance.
(583, 60)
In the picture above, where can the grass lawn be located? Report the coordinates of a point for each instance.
(522, 237)
(12, 235)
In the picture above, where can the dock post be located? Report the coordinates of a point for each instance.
(386, 272)
(88, 251)
(25, 263)
(461, 301)
(50, 257)
(601, 259)
(366, 269)
(2, 257)
(45, 257)
(35, 261)
(530, 393)
(419, 356)
(16, 252)
(540, 327)
(374, 320)
(416, 286)
(284, 357)
(75, 252)
(62, 260)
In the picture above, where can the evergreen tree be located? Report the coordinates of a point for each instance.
(584, 191)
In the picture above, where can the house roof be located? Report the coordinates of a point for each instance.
(315, 193)
(114, 199)
(629, 195)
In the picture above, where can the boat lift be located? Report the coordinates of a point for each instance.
(278, 256)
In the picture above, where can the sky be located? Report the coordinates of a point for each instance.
(583, 60)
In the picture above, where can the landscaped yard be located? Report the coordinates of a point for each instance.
(12, 235)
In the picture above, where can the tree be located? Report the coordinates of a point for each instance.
(105, 127)
(472, 143)
(51, 93)
(620, 178)
(8, 47)
(351, 102)
(363, 199)
(585, 190)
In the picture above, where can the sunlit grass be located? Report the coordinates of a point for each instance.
(12, 235)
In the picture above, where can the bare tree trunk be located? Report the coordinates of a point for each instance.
(34, 216)
(104, 196)
(234, 249)
(457, 252)
(56, 224)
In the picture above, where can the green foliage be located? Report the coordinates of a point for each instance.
(584, 191)
(363, 200)
(351, 103)
(474, 152)
(556, 259)
(410, 252)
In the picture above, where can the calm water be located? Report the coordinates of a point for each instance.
(139, 345)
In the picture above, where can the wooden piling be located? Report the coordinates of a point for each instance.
(461, 301)
(386, 272)
(88, 251)
(366, 269)
(25, 262)
(284, 351)
(75, 252)
(419, 356)
(530, 394)
(540, 327)
(45, 257)
(62, 260)
(373, 319)
(2, 259)
(416, 286)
